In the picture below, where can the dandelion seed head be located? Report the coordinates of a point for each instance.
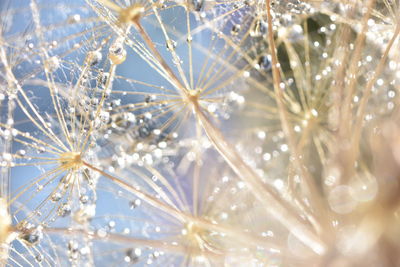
(106, 126)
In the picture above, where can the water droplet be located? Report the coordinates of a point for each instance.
(144, 131)
(56, 197)
(72, 245)
(147, 99)
(101, 233)
(39, 258)
(264, 63)
(84, 199)
(21, 153)
(102, 81)
(111, 224)
(117, 52)
(235, 29)
(123, 121)
(32, 236)
(64, 210)
(74, 19)
(259, 28)
(134, 204)
(132, 256)
(73, 250)
(85, 250)
(93, 58)
(171, 45)
(39, 187)
(195, 5)
(52, 64)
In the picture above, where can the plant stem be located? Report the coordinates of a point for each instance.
(278, 208)
(267, 195)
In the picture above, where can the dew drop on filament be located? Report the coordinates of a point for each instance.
(195, 5)
(171, 45)
(235, 29)
(93, 58)
(259, 28)
(64, 210)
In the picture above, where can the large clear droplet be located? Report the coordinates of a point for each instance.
(117, 52)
